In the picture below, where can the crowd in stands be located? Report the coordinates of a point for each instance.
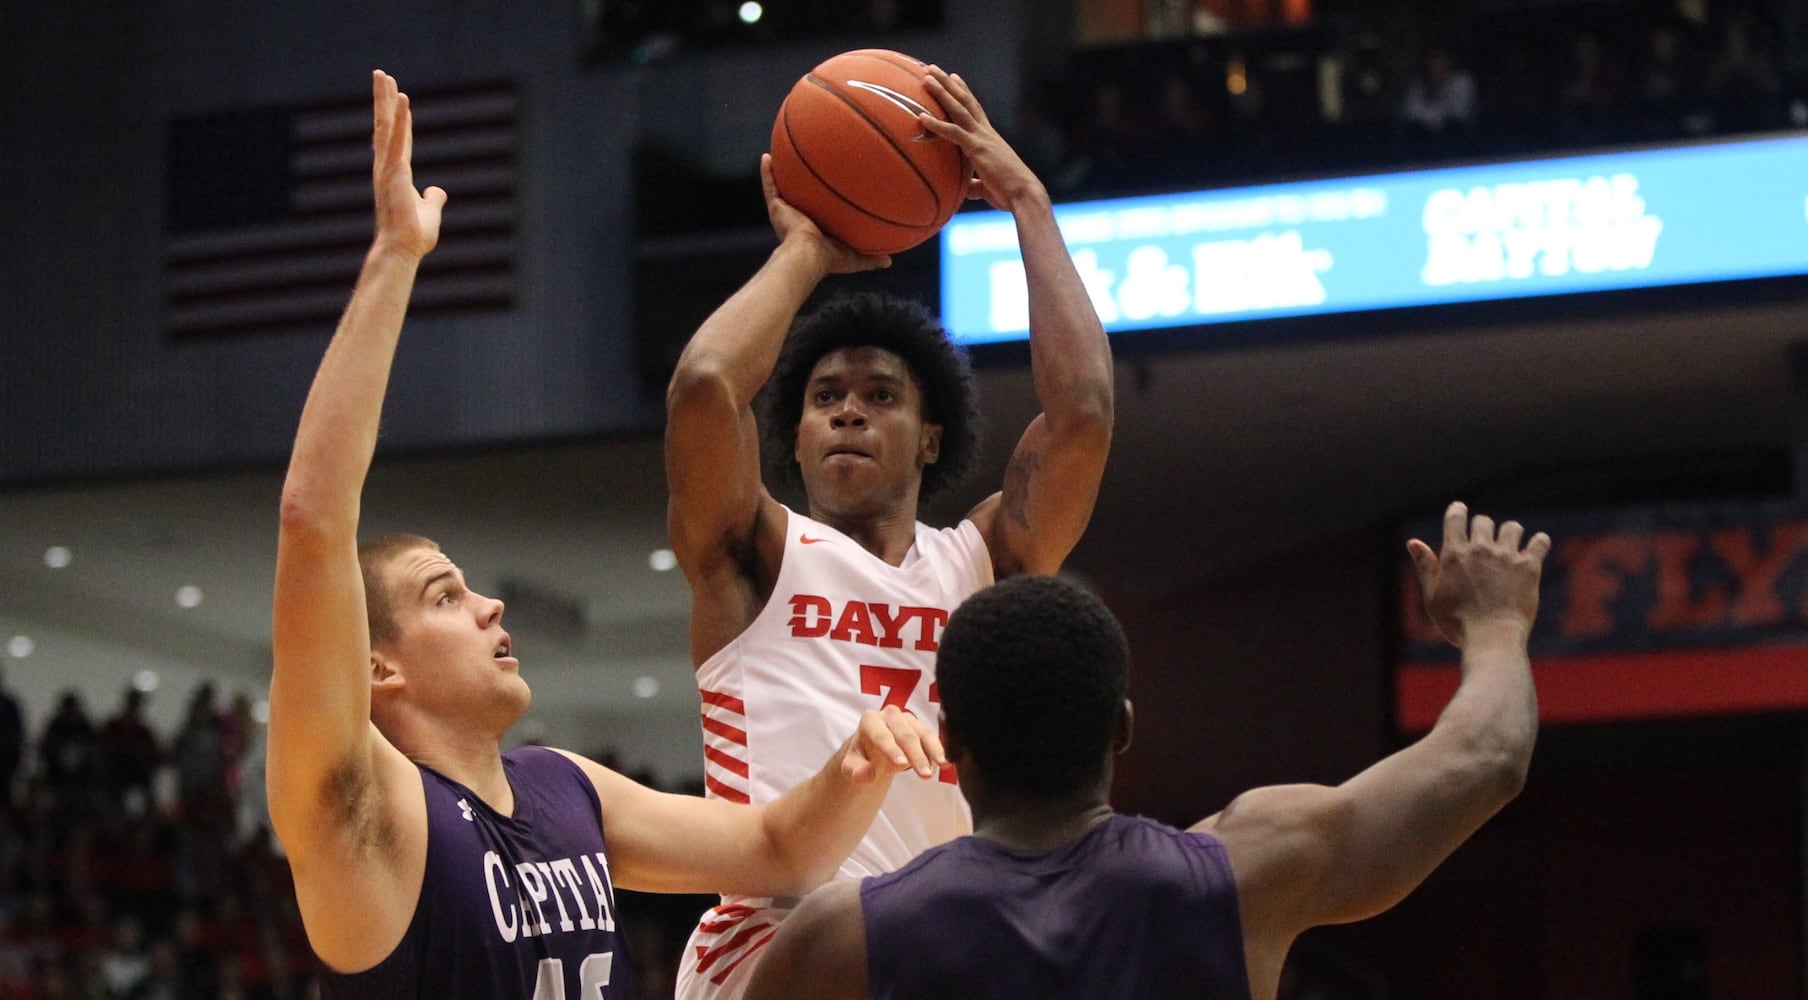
(140, 866)
(1343, 93)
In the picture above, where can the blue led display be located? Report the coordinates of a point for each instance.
(1678, 215)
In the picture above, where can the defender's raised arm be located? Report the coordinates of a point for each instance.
(330, 776)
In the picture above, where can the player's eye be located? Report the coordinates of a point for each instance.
(885, 395)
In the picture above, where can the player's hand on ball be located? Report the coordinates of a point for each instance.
(1000, 175)
(888, 741)
(789, 223)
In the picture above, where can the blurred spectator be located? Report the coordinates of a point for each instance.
(1440, 98)
(1110, 134)
(199, 755)
(129, 755)
(124, 962)
(1593, 86)
(66, 753)
(166, 979)
(1042, 142)
(1186, 126)
(1366, 87)
(1742, 82)
(1668, 84)
(242, 737)
(245, 776)
(12, 744)
(230, 983)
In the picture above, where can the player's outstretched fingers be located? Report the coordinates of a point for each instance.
(1539, 547)
(940, 84)
(920, 743)
(874, 743)
(1511, 533)
(1481, 530)
(1456, 523)
(907, 734)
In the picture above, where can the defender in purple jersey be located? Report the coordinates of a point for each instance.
(1057, 896)
(428, 863)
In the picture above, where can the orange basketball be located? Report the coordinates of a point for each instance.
(847, 151)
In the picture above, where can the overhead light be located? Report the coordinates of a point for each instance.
(662, 560)
(646, 687)
(751, 12)
(188, 595)
(57, 556)
(20, 646)
(145, 681)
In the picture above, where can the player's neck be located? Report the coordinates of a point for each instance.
(887, 536)
(475, 763)
(1028, 824)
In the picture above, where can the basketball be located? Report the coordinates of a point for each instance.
(847, 151)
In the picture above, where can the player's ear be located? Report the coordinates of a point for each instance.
(929, 446)
(384, 672)
(1126, 722)
(951, 744)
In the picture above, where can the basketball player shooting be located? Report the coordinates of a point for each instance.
(427, 862)
(1057, 896)
(801, 620)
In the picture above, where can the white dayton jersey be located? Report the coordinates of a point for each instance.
(843, 631)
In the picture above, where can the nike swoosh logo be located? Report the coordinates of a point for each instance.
(807, 540)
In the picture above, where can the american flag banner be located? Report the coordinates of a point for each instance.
(268, 211)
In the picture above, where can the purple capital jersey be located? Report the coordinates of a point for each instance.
(512, 907)
(1133, 910)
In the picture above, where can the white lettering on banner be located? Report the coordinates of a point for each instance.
(1092, 227)
(1152, 286)
(1510, 232)
(982, 237)
(1086, 227)
(1269, 271)
(1140, 223)
(1009, 296)
(1272, 271)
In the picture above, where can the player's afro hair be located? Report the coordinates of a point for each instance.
(1032, 674)
(903, 327)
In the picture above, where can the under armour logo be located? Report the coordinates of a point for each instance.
(465, 807)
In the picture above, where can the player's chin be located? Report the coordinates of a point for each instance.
(518, 696)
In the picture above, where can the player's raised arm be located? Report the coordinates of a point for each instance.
(712, 448)
(661, 842)
(1309, 855)
(1053, 477)
(329, 773)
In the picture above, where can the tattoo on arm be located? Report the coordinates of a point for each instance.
(1017, 480)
